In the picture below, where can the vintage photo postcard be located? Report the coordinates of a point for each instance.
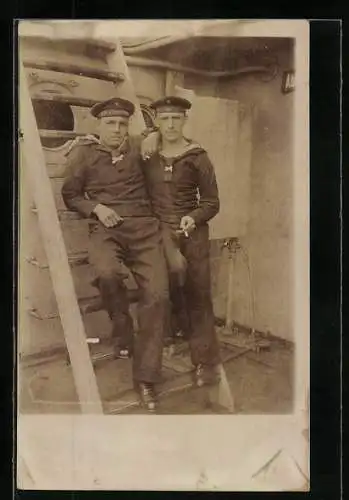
(163, 318)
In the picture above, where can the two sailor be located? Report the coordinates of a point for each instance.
(148, 218)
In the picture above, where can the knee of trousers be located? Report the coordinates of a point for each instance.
(176, 262)
(157, 299)
(111, 275)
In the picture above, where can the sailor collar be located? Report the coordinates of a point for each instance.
(168, 162)
(117, 154)
(193, 148)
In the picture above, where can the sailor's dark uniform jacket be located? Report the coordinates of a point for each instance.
(185, 185)
(95, 175)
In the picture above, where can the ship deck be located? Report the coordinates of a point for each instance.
(260, 382)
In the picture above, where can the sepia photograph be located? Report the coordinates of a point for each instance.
(163, 228)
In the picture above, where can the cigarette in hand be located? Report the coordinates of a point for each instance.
(183, 231)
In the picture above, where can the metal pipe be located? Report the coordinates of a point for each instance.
(195, 29)
(40, 36)
(60, 134)
(90, 72)
(153, 44)
(141, 62)
(155, 63)
(82, 102)
(231, 269)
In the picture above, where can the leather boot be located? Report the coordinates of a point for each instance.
(206, 375)
(147, 395)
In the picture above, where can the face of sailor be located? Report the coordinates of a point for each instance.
(113, 130)
(171, 125)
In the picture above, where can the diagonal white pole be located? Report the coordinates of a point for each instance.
(74, 332)
(225, 397)
(117, 63)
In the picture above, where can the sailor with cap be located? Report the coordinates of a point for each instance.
(183, 189)
(171, 104)
(105, 183)
(116, 106)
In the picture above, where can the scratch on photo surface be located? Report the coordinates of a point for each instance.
(300, 470)
(267, 464)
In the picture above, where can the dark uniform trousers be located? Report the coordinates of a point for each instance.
(94, 177)
(134, 245)
(191, 295)
(174, 184)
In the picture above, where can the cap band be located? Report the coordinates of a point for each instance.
(113, 107)
(170, 109)
(113, 112)
(171, 104)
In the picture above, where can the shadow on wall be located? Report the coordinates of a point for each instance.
(269, 235)
(268, 240)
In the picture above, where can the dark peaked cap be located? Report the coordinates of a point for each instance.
(113, 107)
(171, 103)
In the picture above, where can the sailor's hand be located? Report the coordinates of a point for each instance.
(107, 216)
(150, 145)
(187, 224)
